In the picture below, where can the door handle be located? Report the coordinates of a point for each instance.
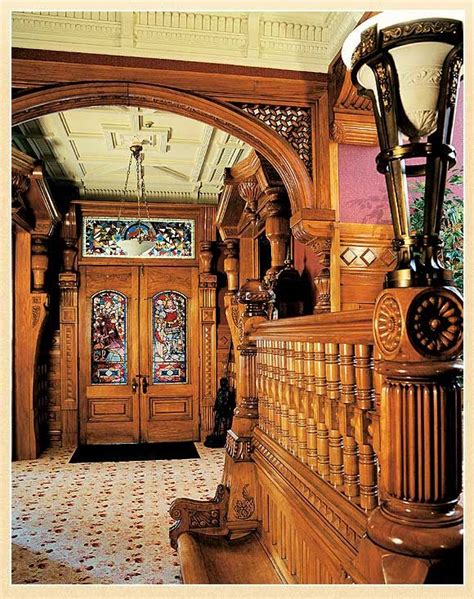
(134, 385)
(144, 383)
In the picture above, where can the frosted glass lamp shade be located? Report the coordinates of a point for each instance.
(136, 247)
(418, 64)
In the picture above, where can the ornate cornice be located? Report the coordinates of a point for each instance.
(298, 41)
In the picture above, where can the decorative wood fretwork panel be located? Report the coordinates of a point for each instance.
(291, 122)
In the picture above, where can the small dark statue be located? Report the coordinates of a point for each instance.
(223, 409)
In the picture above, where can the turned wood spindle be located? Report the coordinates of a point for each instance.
(364, 403)
(311, 427)
(336, 465)
(292, 395)
(346, 407)
(320, 398)
(285, 394)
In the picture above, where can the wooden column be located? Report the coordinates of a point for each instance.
(68, 326)
(208, 353)
(415, 535)
(277, 231)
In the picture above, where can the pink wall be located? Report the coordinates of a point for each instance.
(362, 193)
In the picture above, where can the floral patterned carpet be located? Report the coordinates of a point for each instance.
(102, 523)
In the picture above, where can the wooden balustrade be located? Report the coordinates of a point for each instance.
(317, 396)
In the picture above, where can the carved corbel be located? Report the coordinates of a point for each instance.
(20, 211)
(322, 249)
(249, 191)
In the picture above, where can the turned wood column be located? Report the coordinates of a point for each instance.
(39, 261)
(231, 264)
(277, 231)
(417, 529)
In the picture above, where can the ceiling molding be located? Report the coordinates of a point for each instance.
(303, 41)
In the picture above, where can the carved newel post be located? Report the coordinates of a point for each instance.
(252, 307)
(410, 70)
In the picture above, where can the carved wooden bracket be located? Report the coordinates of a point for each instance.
(352, 118)
(203, 517)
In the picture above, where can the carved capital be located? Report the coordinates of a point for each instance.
(413, 324)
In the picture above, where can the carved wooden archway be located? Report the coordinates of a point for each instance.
(262, 138)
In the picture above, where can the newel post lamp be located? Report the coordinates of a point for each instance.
(409, 63)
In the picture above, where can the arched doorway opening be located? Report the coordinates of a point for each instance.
(225, 117)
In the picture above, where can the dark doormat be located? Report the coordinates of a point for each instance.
(135, 452)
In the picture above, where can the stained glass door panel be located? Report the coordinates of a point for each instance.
(169, 337)
(109, 359)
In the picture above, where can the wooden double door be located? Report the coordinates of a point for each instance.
(138, 358)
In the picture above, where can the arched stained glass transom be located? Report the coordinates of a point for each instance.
(109, 338)
(169, 329)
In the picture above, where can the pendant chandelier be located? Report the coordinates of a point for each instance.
(135, 241)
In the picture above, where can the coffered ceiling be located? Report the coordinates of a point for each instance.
(184, 159)
(291, 40)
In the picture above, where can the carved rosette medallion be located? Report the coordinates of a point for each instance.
(388, 324)
(434, 323)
